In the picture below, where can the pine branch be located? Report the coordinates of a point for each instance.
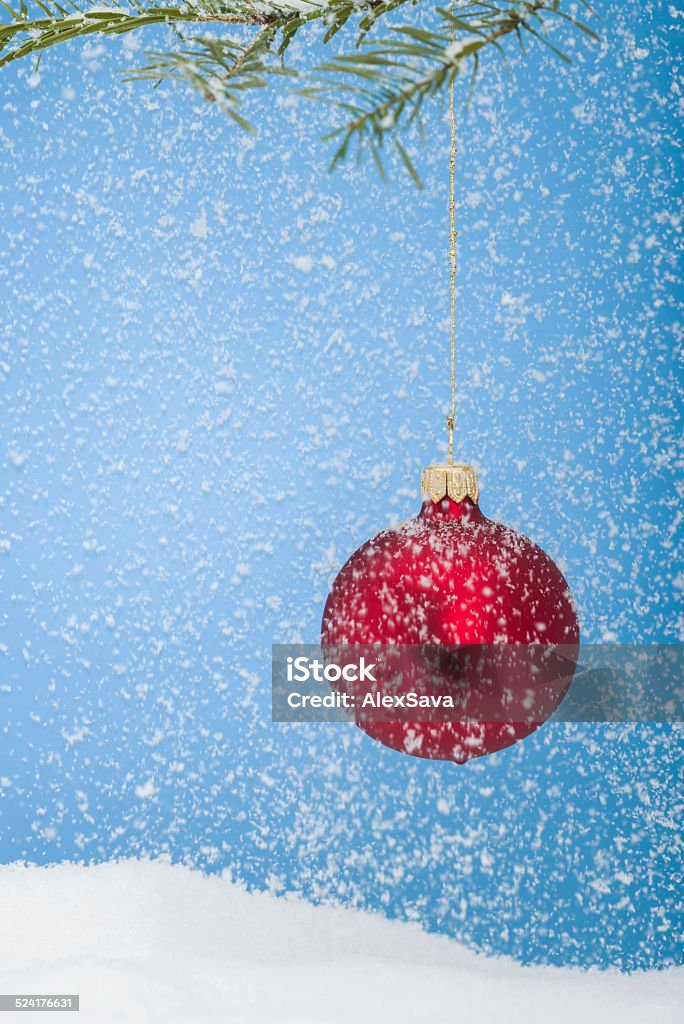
(66, 20)
(221, 70)
(60, 25)
(382, 89)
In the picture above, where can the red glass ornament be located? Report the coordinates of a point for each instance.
(451, 576)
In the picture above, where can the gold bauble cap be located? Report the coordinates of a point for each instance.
(453, 479)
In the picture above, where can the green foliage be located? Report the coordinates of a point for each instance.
(378, 89)
(221, 70)
(24, 35)
(382, 87)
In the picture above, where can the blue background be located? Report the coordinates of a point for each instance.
(222, 370)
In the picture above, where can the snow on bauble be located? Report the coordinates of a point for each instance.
(454, 580)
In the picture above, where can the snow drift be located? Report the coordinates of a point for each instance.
(146, 941)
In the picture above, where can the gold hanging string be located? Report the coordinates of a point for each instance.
(452, 258)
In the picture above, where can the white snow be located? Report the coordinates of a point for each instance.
(145, 941)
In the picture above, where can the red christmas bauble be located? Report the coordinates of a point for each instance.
(450, 576)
